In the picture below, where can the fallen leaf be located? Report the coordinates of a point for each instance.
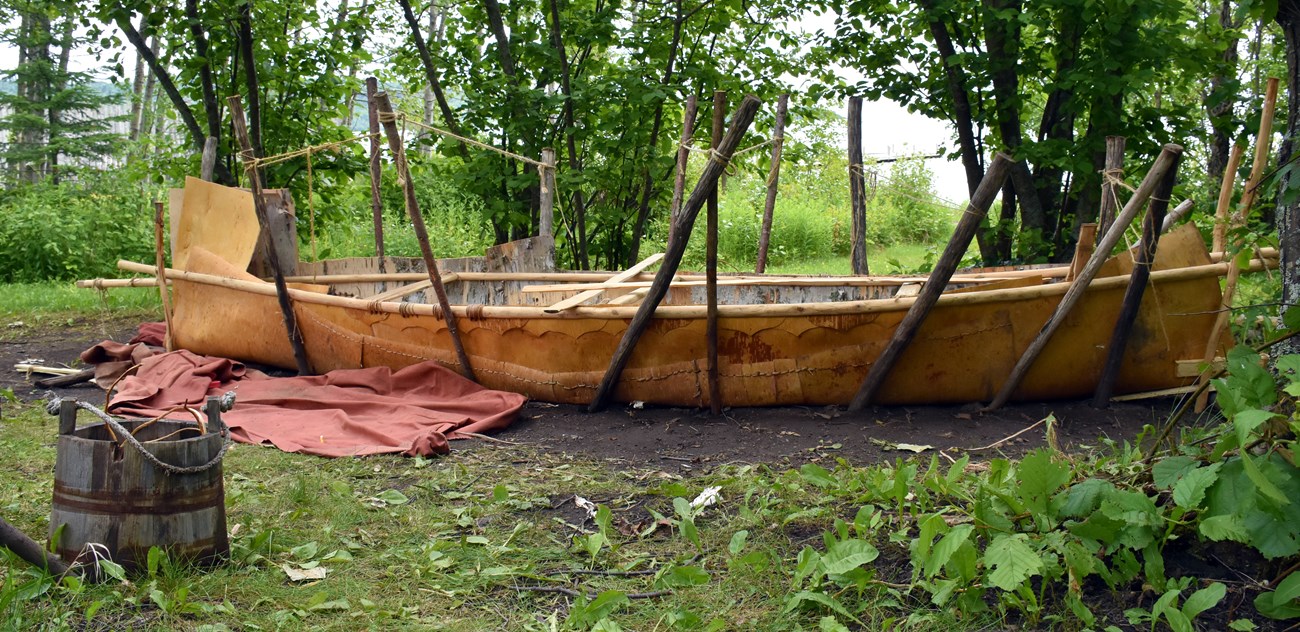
(304, 575)
(585, 505)
(706, 498)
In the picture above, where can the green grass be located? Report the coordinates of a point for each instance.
(895, 259)
(53, 301)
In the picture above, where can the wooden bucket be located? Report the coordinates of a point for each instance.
(108, 493)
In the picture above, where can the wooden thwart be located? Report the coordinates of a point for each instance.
(583, 297)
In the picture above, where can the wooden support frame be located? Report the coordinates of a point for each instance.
(583, 297)
(711, 266)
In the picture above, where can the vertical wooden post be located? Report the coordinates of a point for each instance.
(708, 183)
(1168, 156)
(711, 263)
(857, 190)
(161, 263)
(546, 196)
(1262, 146)
(934, 286)
(247, 156)
(1137, 285)
(67, 416)
(1114, 167)
(208, 162)
(1220, 236)
(683, 158)
(376, 149)
(773, 177)
(389, 121)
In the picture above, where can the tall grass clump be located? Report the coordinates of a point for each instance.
(71, 230)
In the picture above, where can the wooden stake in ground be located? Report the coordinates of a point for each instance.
(857, 190)
(773, 177)
(1080, 284)
(1114, 171)
(711, 262)
(376, 149)
(162, 265)
(938, 280)
(718, 162)
(29, 551)
(683, 157)
(389, 121)
(1128, 311)
(249, 159)
(546, 200)
(1262, 146)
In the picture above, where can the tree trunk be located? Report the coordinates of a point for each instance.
(197, 137)
(59, 84)
(448, 116)
(137, 92)
(578, 245)
(250, 76)
(210, 107)
(149, 109)
(1288, 212)
(1219, 102)
(857, 190)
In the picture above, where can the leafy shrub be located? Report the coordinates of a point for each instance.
(73, 229)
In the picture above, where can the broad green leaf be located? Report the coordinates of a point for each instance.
(1224, 527)
(1190, 489)
(1270, 606)
(685, 576)
(1084, 497)
(817, 475)
(1204, 599)
(737, 543)
(1288, 589)
(847, 555)
(1012, 561)
(393, 497)
(1167, 471)
(793, 602)
(943, 550)
(1246, 421)
(830, 624)
(1262, 482)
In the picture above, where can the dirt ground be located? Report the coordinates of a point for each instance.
(687, 439)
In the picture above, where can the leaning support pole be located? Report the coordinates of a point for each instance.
(389, 121)
(939, 277)
(711, 263)
(708, 183)
(376, 149)
(249, 159)
(1128, 311)
(773, 179)
(30, 552)
(1167, 158)
(1220, 235)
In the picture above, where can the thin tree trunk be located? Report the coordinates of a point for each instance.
(1288, 213)
(773, 179)
(1219, 101)
(250, 77)
(210, 106)
(149, 106)
(137, 93)
(1002, 39)
(448, 116)
(59, 84)
(197, 137)
(683, 159)
(579, 248)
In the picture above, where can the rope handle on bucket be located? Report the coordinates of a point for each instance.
(54, 402)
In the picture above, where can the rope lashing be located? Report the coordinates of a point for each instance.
(53, 403)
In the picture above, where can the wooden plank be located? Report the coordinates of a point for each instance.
(1192, 368)
(582, 297)
(1164, 392)
(631, 298)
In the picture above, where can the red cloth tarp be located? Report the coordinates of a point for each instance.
(350, 412)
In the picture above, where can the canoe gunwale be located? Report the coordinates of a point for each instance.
(479, 312)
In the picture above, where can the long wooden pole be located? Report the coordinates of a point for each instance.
(857, 190)
(1219, 237)
(159, 260)
(683, 158)
(708, 183)
(389, 121)
(1080, 283)
(546, 201)
(938, 280)
(1263, 144)
(376, 175)
(1128, 311)
(1114, 169)
(711, 263)
(29, 551)
(247, 156)
(773, 178)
